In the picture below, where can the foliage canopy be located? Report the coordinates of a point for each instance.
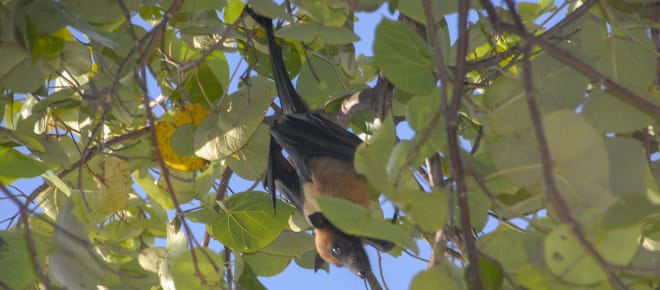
(539, 117)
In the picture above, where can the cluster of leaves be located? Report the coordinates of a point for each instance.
(543, 116)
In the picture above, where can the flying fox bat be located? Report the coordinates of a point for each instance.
(322, 154)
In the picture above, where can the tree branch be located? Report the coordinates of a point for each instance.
(451, 126)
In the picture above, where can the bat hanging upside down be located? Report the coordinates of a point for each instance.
(322, 153)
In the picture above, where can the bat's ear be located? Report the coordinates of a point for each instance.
(318, 262)
(318, 220)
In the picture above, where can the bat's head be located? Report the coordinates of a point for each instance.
(336, 247)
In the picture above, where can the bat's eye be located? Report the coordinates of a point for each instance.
(337, 251)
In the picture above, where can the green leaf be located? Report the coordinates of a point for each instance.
(251, 160)
(98, 12)
(15, 165)
(76, 58)
(479, 205)
(291, 244)
(508, 112)
(201, 5)
(266, 264)
(24, 77)
(369, 157)
(210, 265)
(628, 60)
(516, 158)
(319, 80)
(305, 32)
(203, 84)
(627, 166)
(629, 210)
(75, 264)
(24, 138)
(177, 243)
(490, 273)
(566, 258)
(429, 211)
(420, 113)
(618, 246)
(18, 272)
(270, 9)
(155, 192)
(322, 12)
(404, 57)
(217, 63)
(337, 35)
(248, 222)
(609, 114)
(559, 85)
(225, 132)
(415, 9)
(356, 220)
(506, 245)
(151, 258)
(434, 278)
(582, 167)
(531, 277)
(249, 280)
(182, 140)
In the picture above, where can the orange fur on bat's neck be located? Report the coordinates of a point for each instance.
(334, 178)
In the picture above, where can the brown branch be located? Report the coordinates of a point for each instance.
(552, 191)
(451, 126)
(220, 195)
(228, 273)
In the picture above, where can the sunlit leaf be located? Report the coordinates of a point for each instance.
(251, 160)
(248, 222)
(227, 131)
(15, 165)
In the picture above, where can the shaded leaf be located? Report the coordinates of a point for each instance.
(355, 220)
(404, 57)
(204, 272)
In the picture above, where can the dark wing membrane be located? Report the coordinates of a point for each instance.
(281, 175)
(308, 134)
